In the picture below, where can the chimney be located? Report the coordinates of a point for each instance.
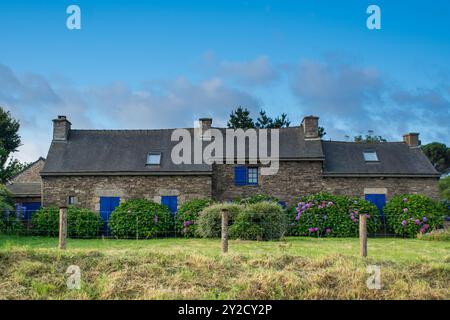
(61, 128)
(411, 139)
(311, 127)
(205, 124)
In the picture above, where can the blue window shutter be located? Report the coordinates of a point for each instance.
(240, 176)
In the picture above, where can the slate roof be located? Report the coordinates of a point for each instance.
(395, 159)
(125, 151)
(24, 189)
(115, 152)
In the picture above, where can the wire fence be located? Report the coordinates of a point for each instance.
(150, 225)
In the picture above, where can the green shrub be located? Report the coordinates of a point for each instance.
(81, 223)
(260, 221)
(140, 218)
(209, 220)
(328, 215)
(45, 222)
(255, 199)
(187, 216)
(6, 201)
(408, 215)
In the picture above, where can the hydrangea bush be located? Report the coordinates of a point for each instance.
(326, 215)
(187, 215)
(140, 218)
(408, 215)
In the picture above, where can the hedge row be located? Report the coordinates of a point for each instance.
(255, 218)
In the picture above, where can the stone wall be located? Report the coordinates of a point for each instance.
(294, 178)
(31, 174)
(300, 178)
(89, 189)
(389, 186)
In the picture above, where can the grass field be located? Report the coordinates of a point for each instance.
(297, 268)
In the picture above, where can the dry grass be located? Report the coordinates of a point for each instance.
(155, 273)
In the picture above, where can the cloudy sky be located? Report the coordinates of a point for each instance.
(157, 64)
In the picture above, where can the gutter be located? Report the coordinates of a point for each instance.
(126, 173)
(378, 175)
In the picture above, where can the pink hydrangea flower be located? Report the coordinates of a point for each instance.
(405, 210)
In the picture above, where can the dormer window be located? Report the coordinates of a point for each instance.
(154, 158)
(370, 156)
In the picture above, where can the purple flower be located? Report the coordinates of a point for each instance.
(426, 226)
(417, 221)
(404, 223)
(187, 223)
(328, 230)
(424, 219)
(405, 210)
(367, 216)
(405, 200)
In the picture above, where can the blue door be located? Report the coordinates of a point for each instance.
(107, 205)
(379, 200)
(170, 202)
(26, 210)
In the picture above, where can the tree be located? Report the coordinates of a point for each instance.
(444, 188)
(240, 118)
(9, 142)
(282, 121)
(369, 138)
(439, 155)
(322, 132)
(263, 121)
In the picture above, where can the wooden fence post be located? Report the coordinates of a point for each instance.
(363, 235)
(62, 227)
(224, 231)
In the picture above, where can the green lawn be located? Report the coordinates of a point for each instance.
(297, 268)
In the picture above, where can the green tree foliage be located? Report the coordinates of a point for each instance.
(322, 132)
(9, 142)
(444, 188)
(439, 155)
(240, 118)
(369, 138)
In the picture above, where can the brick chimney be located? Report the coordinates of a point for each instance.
(205, 124)
(311, 127)
(411, 139)
(61, 128)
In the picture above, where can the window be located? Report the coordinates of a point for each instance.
(252, 175)
(370, 156)
(245, 176)
(71, 200)
(154, 158)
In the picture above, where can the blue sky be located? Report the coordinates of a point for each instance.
(146, 64)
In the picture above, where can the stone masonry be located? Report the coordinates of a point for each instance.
(89, 189)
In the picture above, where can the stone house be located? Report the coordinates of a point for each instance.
(97, 169)
(25, 188)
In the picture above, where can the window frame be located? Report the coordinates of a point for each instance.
(149, 154)
(71, 203)
(370, 152)
(256, 176)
